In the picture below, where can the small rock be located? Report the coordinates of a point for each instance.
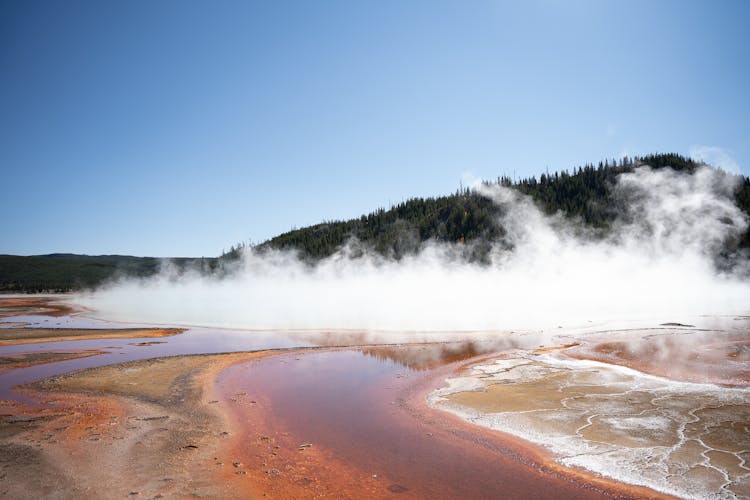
(397, 488)
(237, 464)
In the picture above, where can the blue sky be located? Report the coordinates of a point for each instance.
(178, 128)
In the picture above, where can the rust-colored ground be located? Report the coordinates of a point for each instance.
(178, 427)
(15, 336)
(140, 428)
(44, 305)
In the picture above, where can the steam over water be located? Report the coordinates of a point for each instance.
(659, 263)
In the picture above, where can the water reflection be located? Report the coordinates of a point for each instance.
(430, 356)
(436, 348)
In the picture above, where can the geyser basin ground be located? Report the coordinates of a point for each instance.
(239, 424)
(683, 438)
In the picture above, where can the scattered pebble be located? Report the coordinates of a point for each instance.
(397, 488)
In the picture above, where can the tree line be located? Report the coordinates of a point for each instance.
(466, 216)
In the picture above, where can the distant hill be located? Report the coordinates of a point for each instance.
(66, 272)
(465, 216)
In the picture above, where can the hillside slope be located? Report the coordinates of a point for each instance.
(585, 193)
(467, 216)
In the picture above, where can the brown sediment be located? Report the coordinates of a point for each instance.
(45, 306)
(16, 336)
(300, 430)
(721, 358)
(23, 360)
(145, 427)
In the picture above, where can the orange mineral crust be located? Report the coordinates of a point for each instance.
(355, 424)
(18, 336)
(45, 305)
(137, 428)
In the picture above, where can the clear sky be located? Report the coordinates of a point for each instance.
(178, 128)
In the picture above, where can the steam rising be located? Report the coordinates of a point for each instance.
(659, 262)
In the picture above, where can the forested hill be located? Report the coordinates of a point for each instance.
(463, 217)
(65, 272)
(466, 216)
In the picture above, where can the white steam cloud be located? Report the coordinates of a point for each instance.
(658, 263)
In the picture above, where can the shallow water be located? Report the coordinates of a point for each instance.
(193, 341)
(199, 340)
(350, 406)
